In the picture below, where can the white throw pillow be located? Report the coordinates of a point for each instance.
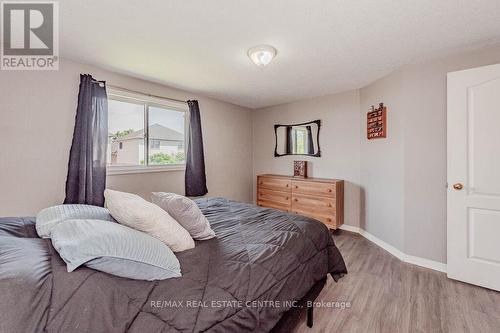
(135, 212)
(186, 212)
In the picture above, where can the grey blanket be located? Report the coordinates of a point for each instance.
(242, 281)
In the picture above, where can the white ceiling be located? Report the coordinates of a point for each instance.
(324, 46)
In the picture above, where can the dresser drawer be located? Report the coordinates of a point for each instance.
(273, 204)
(314, 205)
(329, 220)
(276, 184)
(276, 196)
(313, 188)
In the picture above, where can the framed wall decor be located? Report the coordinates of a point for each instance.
(297, 139)
(300, 169)
(376, 122)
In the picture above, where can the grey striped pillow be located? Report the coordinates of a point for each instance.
(115, 249)
(48, 218)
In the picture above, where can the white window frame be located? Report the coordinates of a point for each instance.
(147, 101)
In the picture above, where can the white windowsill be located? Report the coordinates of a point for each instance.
(125, 170)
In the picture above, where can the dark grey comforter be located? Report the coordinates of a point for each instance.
(259, 255)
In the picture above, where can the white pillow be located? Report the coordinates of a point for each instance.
(135, 212)
(186, 212)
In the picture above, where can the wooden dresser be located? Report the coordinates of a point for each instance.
(321, 199)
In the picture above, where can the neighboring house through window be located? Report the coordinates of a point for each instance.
(134, 146)
(155, 144)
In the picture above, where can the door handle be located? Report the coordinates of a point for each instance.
(458, 186)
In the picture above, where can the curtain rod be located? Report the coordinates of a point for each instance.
(149, 95)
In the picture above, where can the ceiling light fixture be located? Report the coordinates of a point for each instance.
(262, 55)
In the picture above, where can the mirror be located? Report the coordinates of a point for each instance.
(297, 139)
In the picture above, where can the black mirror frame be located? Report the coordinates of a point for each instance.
(318, 153)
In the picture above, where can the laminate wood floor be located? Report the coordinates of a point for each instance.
(388, 295)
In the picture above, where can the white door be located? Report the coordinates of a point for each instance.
(474, 176)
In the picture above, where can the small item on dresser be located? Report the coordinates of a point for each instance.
(300, 169)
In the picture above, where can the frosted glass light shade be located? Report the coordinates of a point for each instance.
(262, 55)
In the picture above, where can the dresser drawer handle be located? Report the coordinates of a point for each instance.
(329, 205)
(286, 198)
(287, 185)
(296, 199)
(330, 190)
(329, 220)
(296, 186)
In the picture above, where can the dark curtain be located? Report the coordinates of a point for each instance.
(310, 142)
(195, 178)
(289, 140)
(87, 159)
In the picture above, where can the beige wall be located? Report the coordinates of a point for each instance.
(382, 163)
(404, 177)
(339, 142)
(37, 111)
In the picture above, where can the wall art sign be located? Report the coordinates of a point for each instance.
(376, 127)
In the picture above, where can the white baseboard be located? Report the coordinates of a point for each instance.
(349, 228)
(427, 263)
(419, 261)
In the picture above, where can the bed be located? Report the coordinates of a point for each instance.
(262, 262)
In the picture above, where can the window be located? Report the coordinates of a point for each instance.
(134, 146)
(299, 140)
(155, 144)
